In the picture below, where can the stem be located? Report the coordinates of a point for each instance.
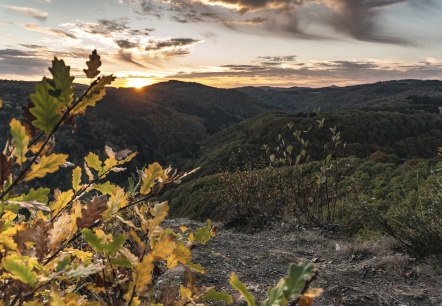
(17, 296)
(48, 137)
(79, 192)
(97, 223)
(131, 296)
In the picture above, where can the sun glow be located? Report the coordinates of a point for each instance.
(138, 82)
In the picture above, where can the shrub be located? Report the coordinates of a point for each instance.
(412, 211)
(96, 242)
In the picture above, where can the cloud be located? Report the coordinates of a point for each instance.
(130, 45)
(35, 61)
(33, 46)
(250, 21)
(5, 22)
(14, 62)
(35, 13)
(126, 44)
(127, 57)
(170, 43)
(362, 20)
(278, 59)
(104, 27)
(49, 31)
(323, 73)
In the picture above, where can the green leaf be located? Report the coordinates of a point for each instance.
(62, 264)
(121, 262)
(241, 288)
(106, 188)
(196, 268)
(100, 246)
(62, 82)
(112, 248)
(290, 287)
(40, 195)
(93, 240)
(46, 109)
(216, 296)
(19, 270)
(203, 234)
(20, 140)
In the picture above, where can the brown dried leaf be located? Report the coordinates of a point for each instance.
(60, 231)
(92, 211)
(28, 118)
(36, 234)
(5, 168)
(93, 64)
(109, 152)
(120, 155)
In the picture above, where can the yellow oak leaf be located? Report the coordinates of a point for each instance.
(143, 273)
(164, 247)
(47, 164)
(181, 254)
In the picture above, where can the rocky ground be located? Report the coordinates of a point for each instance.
(373, 273)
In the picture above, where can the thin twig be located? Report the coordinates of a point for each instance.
(48, 137)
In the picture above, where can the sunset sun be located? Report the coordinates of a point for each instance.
(138, 82)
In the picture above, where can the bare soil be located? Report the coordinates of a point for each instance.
(374, 273)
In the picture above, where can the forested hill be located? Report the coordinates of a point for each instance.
(333, 98)
(189, 124)
(403, 134)
(164, 122)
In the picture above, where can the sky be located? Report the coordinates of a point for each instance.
(226, 43)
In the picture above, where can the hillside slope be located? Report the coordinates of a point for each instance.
(404, 135)
(164, 122)
(333, 98)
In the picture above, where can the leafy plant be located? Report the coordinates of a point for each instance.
(96, 242)
(314, 194)
(412, 211)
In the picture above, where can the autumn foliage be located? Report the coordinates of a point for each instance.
(97, 243)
